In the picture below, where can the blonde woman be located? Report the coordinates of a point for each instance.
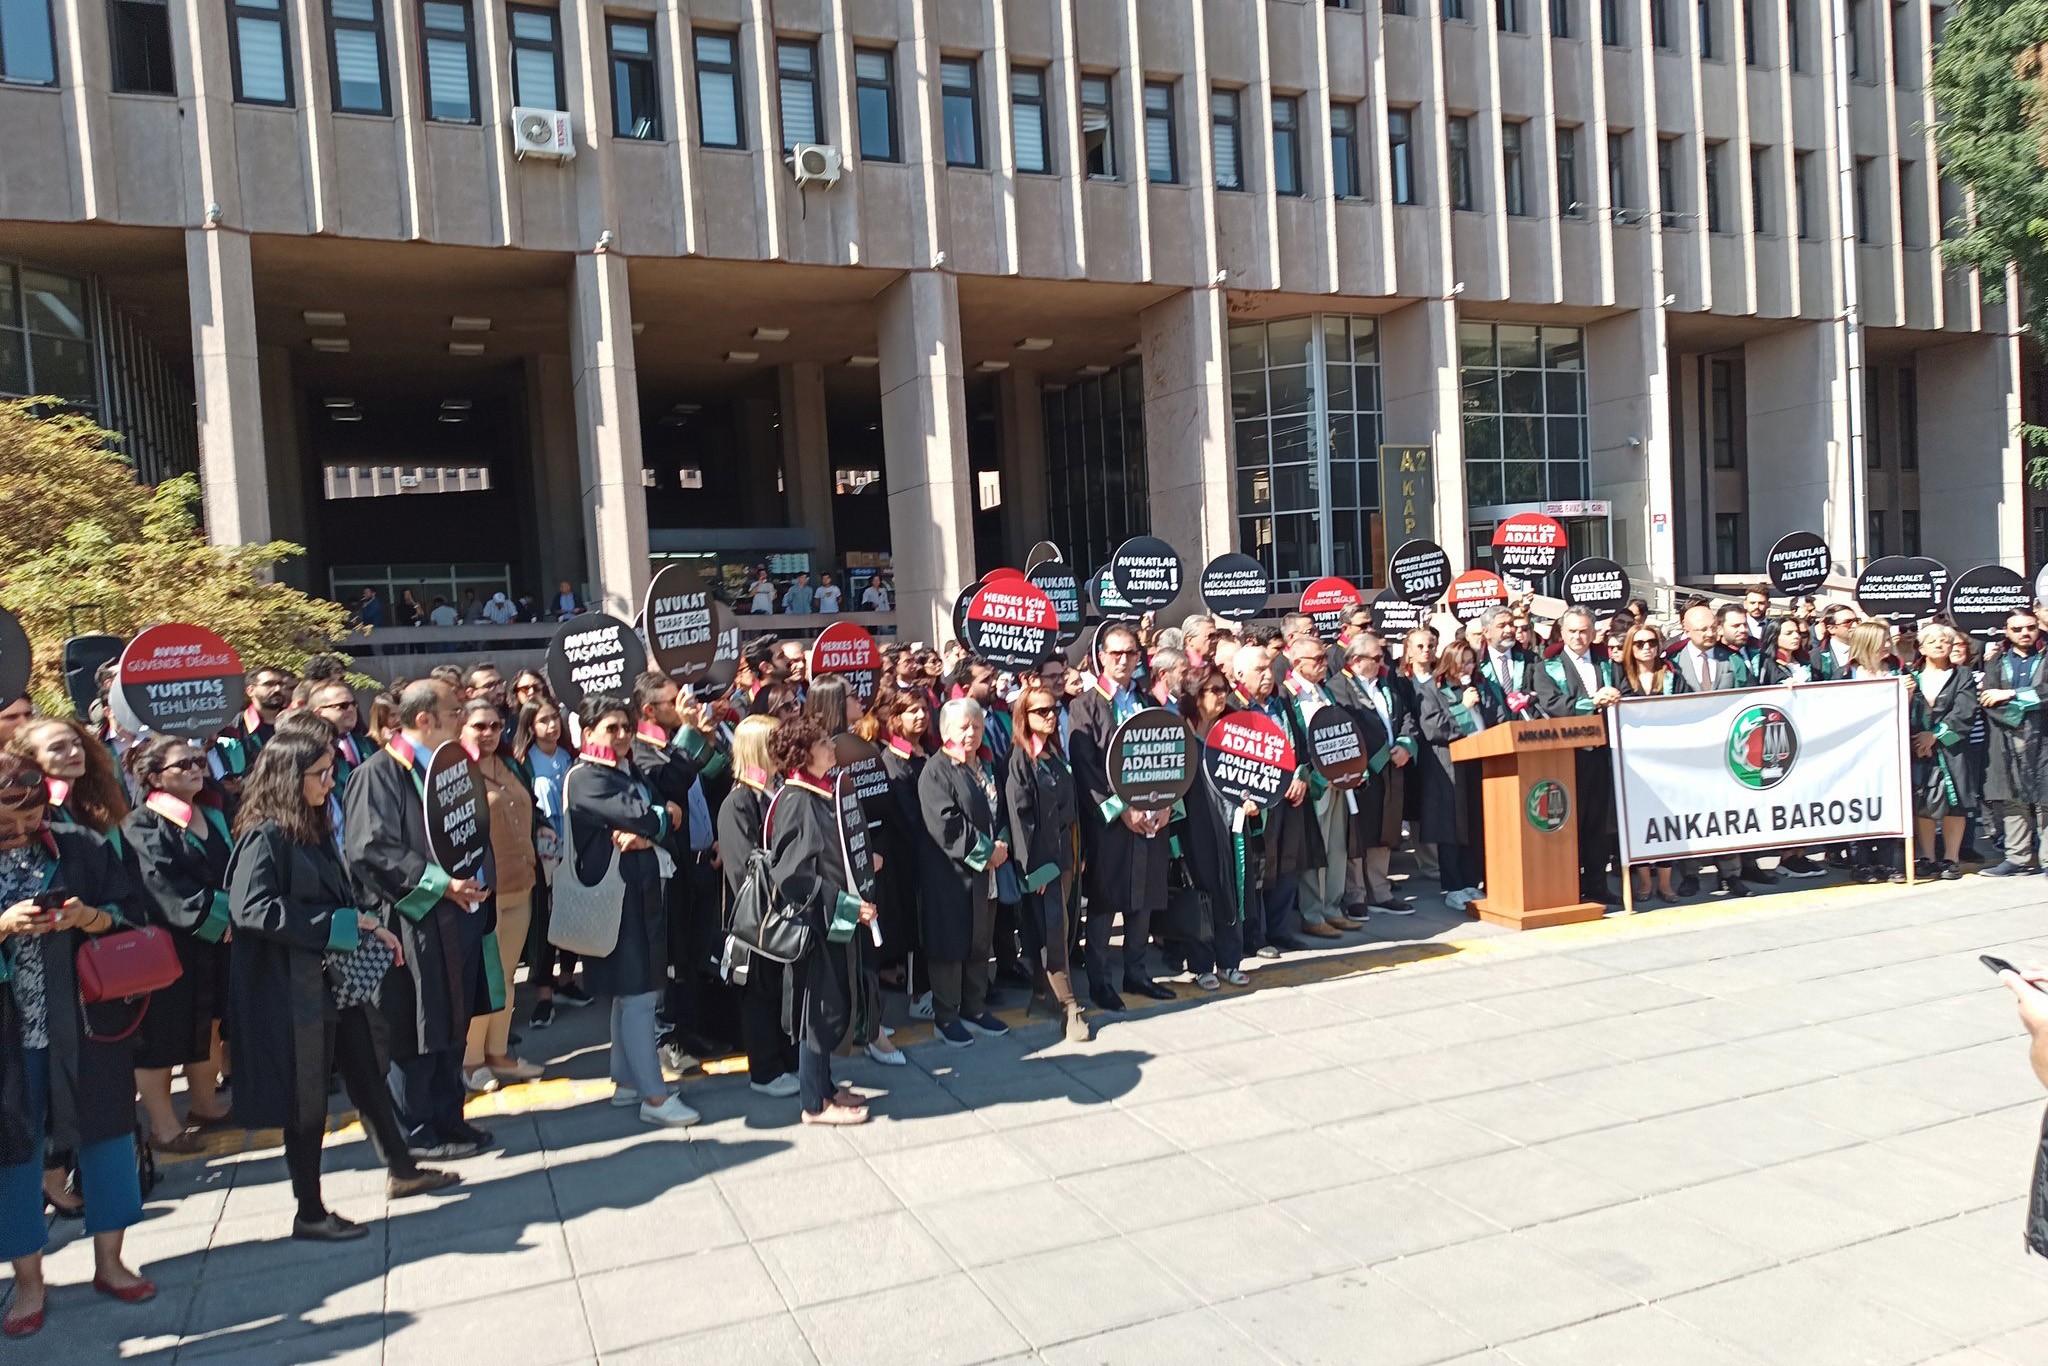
(771, 1053)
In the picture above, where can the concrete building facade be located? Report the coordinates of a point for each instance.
(919, 282)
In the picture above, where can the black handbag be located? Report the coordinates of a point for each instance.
(1190, 915)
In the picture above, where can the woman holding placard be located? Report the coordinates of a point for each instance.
(515, 870)
(614, 817)
(1044, 804)
(1944, 707)
(1219, 847)
(1449, 707)
(771, 1053)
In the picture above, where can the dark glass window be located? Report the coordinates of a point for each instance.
(1458, 144)
(139, 34)
(874, 99)
(960, 91)
(721, 120)
(1512, 187)
(1030, 137)
(796, 93)
(449, 47)
(1098, 127)
(1162, 140)
(536, 58)
(257, 48)
(28, 42)
(636, 84)
(1224, 142)
(1344, 181)
(1568, 173)
(1286, 145)
(1401, 154)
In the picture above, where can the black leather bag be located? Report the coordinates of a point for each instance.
(1190, 916)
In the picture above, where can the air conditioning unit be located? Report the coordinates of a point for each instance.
(813, 162)
(542, 133)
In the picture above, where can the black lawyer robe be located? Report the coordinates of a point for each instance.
(902, 843)
(291, 903)
(1943, 784)
(1450, 788)
(1382, 798)
(1125, 871)
(428, 1002)
(602, 799)
(180, 873)
(955, 878)
(2018, 753)
(809, 867)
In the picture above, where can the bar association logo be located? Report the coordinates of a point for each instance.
(1762, 746)
(1548, 806)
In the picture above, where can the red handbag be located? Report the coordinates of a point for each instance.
(126, 966)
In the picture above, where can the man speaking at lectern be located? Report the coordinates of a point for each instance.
(1579, 682)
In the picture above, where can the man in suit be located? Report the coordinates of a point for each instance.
(1756, 612)
(2017, 780)
(1390, 746)
(1708, 665)
(1507, 672)
(1830, 656)
(1582, 681)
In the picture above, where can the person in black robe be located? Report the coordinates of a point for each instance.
(268, 691)
(289, 900)
(1288, 839)
(771, 1051)
(1215, 845)
(442, 922)
(1450, 706)
(615, 815)
(2016, 774)
(906, 721)
(807, 859)
(176, 847)
(1124, 852)
(670, 751)
(1944, 707)
(962, 805)
(1387, 718)
(61, 1088)
(1582, 681)
(1043, 805)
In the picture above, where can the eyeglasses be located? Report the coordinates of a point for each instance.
(1043, 711)
(1646, 644)
(184, 765)
(488, 727)
(2028, 629)
(1118, 654)
(349, 705)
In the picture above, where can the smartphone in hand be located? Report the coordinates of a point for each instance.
(1997, 964)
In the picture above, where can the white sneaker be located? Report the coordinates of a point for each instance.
(520, 1070)
(670, 1114)
(782, 1087)
(621, 1097)
(481, 1081)
(888, 1057)
(921, 1007)
(1455, 900)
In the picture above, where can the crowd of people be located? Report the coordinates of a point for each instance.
(289, 863)
(763, 596)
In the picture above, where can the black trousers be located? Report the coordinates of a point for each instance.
(355, 1057)
(771, 1053)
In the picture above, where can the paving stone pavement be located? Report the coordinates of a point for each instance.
(1791, 1131)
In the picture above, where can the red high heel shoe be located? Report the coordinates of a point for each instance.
(28, 1325)
(139, 1293)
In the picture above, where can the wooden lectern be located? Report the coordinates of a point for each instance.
(1531, 802)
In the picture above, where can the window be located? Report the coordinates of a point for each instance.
(1909, 424)
(1286, 145)
(1401, 154)
(1716, 222)
(1098, 128)
(536, 58)
(1660, 23)
(1954, 205)
(1857, 10)
(1721, 412)
(1568, 173)
(1863, 228)
(1802, 192)
(1900, 19)
(139, 34)
(960, 91)
(1393, 6)
(256, 48)
(1527, 437)
(1344, 182)
(448, 52)
(1910, 232)
(1706, 19)
(1305, 393)
(1909, 532)
(1560, 19)
(1096, 490)
(1507, 15)
(1749, 49)
(1610, 23)
(1454, 9)
(1511, 168)
(720, 120)
(46, 336)
(796, 93)
(874, 102)
(1030, 140)
(1727, 543)
(1795, 51)
(636, 88)
(1224, 145)
(1875, 550)
(1162, 146)
(1667, 180)
(1873, 449)
(1617, 171)
(28, 42)
(1458, 142)
(1759, 182)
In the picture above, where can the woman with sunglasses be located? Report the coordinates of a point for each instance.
(1044, 805)
(59, 887)
(294, 919)
(530, 686)
(1450, 707)
(1221, 853)
(905, 726)
(177, 849)
(542, 755)
(515, 868)
(84, 788)
(1647, 671)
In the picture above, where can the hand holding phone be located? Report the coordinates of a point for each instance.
(1997, 964)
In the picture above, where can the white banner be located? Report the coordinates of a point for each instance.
(1761, 768)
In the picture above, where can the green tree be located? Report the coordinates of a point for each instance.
(80, 533)
(1993, 136)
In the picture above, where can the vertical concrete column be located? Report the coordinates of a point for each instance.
(1419, 386)
(1972, 465)
(924, 430)
(807, 454)
(229, 386)
(1628, 394)
(284, 458)
(1020, 409)
(1797, 389)
(552, 469)
(608, 433)
(1185, 342)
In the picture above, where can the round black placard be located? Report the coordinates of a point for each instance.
(1146, 573)
(458, 819)
(1336, 746)
(1056, 580)
(1599, 586)
(1982, 598)
(1248, 757)
(1235, 587)
(1151, 759)
(1798, 564)
(1899, 589)
(594, 655)
(1420, 571)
